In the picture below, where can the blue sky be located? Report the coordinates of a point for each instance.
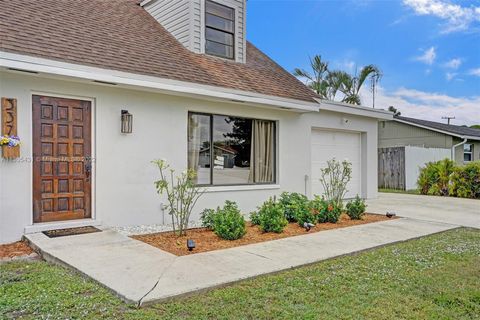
(428, 50)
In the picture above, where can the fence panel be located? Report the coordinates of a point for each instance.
(391, 168)
(417, 157)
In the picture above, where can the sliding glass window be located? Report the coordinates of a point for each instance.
(243, 150)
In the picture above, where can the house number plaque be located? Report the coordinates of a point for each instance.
(9, 126)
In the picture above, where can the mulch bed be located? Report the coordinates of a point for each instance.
(13, 250)
(206, 240)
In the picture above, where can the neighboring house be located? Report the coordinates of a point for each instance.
(81, 70)
(406, 144)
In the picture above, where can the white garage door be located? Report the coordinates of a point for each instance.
(339, 145)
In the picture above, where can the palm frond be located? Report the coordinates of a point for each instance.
(302, 74)
(370, 70)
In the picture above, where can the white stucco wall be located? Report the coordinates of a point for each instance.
(417, 157)
(123, 175)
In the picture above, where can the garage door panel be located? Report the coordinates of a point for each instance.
(317, 189)
(334, 138)
(340, 153)
(340, 145)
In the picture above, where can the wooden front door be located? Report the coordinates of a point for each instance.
(61, 159)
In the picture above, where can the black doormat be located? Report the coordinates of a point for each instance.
(70, 231)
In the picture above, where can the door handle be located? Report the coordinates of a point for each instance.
(88, 170)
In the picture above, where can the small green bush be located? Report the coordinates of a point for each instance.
(444, 178)
(295, 206)
(356, 208)
(255, 218)
(434, 178)
(271, 216)
(207, 217)
(465, 181)
(227, 222)
(317, 205)
(330, 213)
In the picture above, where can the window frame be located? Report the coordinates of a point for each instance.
(233, 33)
(275, 159)
(468, 152)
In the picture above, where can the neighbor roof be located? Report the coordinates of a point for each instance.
(120, 35)
(437, 126)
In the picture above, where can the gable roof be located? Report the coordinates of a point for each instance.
(454, 130)
(120, 35)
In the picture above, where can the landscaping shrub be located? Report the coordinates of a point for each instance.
(465, 181)
(435, 177)
(306, 216)
(181, 193)
(255, 218)
(356, 208)
(296, 207)
(330, 213)
(207, 217)
(317, 205)
(227, 222)
(334, 179)
(271, 216)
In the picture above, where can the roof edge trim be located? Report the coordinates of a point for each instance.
(437, 130)
(58, 68)
(355, 109)
(145, 2)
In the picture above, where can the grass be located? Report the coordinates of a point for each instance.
(412, 191)
(436, 277)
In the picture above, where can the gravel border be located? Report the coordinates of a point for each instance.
(150, 228)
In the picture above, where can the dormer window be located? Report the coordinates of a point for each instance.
(219, 30)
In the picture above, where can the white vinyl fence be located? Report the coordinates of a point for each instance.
(417, 157)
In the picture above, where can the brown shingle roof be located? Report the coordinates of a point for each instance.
(121, 35)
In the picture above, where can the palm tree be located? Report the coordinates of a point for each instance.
(316, 80)
(395, 111)
(352, 85)
(327, 84)
(336, 83)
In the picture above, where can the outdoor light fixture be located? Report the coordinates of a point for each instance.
(390, 214)
(190, 244)
(127, 120)
(308, 226)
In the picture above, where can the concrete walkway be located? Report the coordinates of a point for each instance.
(140, 274)
(456, 211)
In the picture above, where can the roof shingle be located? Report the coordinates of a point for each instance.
(458, 130)
(121, 35)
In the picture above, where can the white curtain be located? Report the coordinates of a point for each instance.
(262, 154)
(194, 142)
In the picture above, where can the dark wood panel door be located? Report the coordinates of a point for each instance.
(62, 159)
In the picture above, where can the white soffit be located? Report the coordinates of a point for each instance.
(52, 68)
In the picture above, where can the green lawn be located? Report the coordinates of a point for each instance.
(412, 191)
(436, 277)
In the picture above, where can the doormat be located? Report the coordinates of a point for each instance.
(70, 231)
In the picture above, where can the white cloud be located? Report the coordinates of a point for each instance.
(453, 64)
(450, 75)
(428, 56)
(456, 17)
(347, 65)
(427, 105)
(474, 72)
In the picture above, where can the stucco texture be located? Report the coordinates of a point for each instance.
(123, 176)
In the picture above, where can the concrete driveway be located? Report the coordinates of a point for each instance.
(456, 211)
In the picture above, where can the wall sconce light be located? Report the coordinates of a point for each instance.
(127, 120)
